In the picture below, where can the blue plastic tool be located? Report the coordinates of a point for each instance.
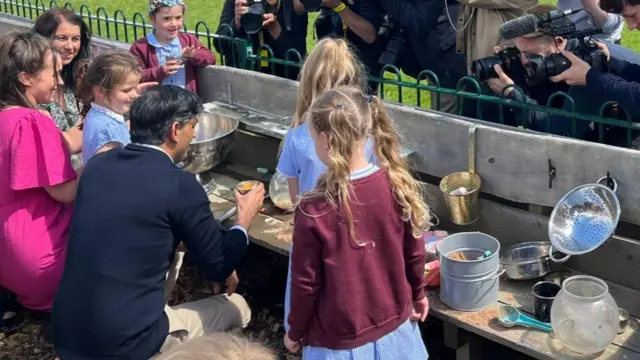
(510, 316)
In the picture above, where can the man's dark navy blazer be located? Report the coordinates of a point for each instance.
(133, 208)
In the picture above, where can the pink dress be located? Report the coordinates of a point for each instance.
(35, 227)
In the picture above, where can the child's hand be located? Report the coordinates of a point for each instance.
(420, 310)
(171, 67)
(188, 52)
(142, 87)
(290, 344)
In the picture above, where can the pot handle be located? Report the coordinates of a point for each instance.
(499, 273)
(605, 179)
(557, 261)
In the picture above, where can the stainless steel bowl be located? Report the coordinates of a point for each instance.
(213, 142)
(529, 260)
(279, 192)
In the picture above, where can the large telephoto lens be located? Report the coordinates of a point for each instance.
(251, 21)
(482, 69)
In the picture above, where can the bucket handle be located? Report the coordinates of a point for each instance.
(472, 148)
(556, 260)
(492, 277)
(606, 180)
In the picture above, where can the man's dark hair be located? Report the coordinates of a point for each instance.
(617, 6)
(153, 113)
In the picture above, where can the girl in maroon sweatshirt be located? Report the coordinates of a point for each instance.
(167, 55)
(358, 259)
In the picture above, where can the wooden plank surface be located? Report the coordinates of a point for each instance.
(508, 225)
(534, 343)
(518, 294)
(264, 230)
(513, 163)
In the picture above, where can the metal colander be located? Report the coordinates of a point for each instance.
(584, 219)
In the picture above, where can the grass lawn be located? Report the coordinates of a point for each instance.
(209, 12)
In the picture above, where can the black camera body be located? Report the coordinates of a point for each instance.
(252, 20)
(537, 67)
(397, 44)
(541, 67)
(311, 5)
(509, 60)
(328, 24)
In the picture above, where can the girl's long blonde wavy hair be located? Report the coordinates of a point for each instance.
(349, 116)
(331, 63)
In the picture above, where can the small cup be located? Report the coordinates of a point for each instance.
(544, 293)
(624, 320)
(246, 186)
(172, 58)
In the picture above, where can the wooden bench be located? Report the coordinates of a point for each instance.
(273, 229)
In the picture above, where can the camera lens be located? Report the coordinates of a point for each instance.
(540, 67)
(252, 20)
(395, 48)
(482, 69)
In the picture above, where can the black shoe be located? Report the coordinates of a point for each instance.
(9, 304)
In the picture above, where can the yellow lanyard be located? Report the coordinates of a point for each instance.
(264, 53)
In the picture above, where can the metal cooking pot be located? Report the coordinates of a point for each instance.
(213, 142)
(524, 261)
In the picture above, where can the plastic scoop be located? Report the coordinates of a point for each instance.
(509, 316)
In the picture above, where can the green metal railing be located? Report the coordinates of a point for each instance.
(394, 85)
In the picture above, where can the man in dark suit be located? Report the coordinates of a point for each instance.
(133, 207)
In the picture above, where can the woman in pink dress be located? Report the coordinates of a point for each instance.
(37, 182)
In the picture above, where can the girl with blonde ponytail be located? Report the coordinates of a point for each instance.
(357, 268)
(330, 64)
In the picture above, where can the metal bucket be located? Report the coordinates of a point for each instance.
(469, 241)
(463, 208)
(472, 293)
(473, 284)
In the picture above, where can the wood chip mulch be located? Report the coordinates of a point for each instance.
(262, 283)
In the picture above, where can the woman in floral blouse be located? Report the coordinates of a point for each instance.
(71, 37)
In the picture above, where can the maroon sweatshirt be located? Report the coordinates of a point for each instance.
(151, 69)
(344, 296)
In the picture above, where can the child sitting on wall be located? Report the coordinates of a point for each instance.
(166, 54)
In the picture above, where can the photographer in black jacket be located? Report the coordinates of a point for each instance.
(358, 21)
(282, 29)
(431, 40)
(585, 100)
(622, 84)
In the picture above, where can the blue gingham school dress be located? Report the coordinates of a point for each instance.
(405, 343)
